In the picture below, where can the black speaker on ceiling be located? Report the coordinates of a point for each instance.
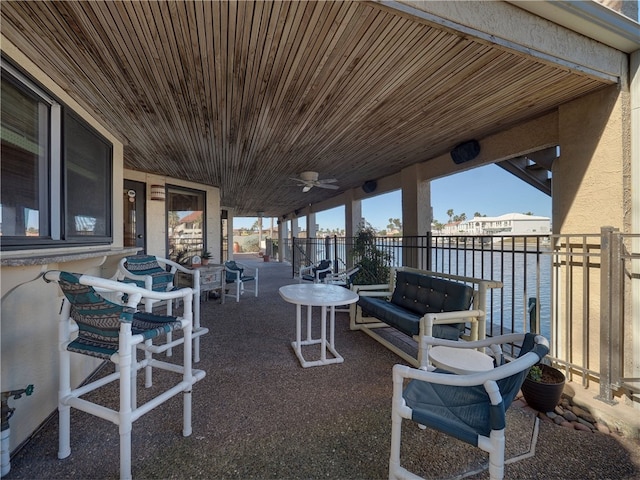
(370, 186)
(465, 152)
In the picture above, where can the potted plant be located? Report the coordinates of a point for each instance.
(205, 257)
(543, 387)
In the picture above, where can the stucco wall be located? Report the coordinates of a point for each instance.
(589, 177)
(155, 213)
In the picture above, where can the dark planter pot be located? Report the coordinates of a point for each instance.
(544, 395)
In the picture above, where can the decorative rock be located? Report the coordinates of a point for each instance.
(559, 420)
(570, 416)
(559, 410)
(583, 414)
(580, 426)
(602, 428)
(551, 415)
(567, 425)
(582, 421)
(545, 417)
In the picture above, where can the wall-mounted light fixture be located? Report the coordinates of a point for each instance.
(158, 192)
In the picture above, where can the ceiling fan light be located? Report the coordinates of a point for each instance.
(309, 176)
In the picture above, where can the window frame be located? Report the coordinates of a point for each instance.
(55, 199)
(171, 188)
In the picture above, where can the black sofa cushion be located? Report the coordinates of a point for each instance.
(404, 320)
(424, 294)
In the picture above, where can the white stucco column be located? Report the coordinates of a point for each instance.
(416, 210)
(311, 225)
(283, 235)
(635, 204)
(352, 216)
(229, 234)
(416, 203)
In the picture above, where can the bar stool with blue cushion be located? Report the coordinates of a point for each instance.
(93, 326)
(158, 274)
(470, 407)
(235, 274)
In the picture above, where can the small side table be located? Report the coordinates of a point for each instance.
(211, 279)
(462, 361)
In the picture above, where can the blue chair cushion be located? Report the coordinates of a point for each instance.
(323, 265)
(148, 265)
(99, 319)
(230, 276)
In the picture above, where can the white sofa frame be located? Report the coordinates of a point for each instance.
(475, 317)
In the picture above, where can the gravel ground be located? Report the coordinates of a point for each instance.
(259, 415)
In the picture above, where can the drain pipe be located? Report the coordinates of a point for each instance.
(7, 413)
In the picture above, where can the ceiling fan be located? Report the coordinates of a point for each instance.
(308, 180)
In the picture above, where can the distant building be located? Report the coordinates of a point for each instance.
(507, 224)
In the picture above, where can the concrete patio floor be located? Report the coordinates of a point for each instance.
(259, 415)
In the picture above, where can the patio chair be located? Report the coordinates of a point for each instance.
(468, 407)
(112, 332)
(344, 279)
(234, 274)
(315, 273)
(159, 274)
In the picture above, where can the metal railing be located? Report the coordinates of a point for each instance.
(582, 292)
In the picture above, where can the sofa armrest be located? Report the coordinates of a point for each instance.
(371, 289)
(473, 316)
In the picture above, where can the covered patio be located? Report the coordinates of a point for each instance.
(258, 414)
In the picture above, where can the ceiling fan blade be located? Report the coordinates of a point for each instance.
(324, 185)
(328, 180)
(306, 188)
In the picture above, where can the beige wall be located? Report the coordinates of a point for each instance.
(589, 178)
(156, 224)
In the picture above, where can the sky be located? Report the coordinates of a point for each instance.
(489, 190)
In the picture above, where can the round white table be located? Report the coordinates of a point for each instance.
(462, 361)
(317, 295)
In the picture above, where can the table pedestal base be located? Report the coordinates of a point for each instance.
(337, 358)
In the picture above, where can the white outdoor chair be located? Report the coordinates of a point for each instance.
(91, 325)
(468, 407)
(159, 275)
(344, 279)
(315, 273)
(235, 274)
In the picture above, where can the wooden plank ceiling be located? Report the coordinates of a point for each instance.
(245, 95)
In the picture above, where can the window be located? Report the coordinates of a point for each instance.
(56, 171)
(186, 225)
(87, 172)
